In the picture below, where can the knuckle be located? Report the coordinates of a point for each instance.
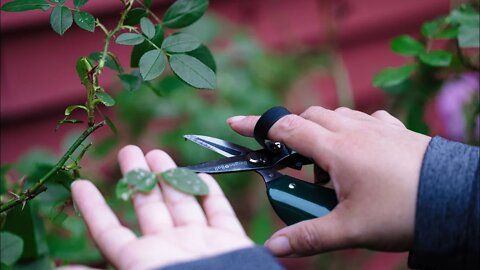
(310, 111)
(381, 113)
(286, 125)
(342, 109)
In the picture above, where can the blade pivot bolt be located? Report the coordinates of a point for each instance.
(256, 158)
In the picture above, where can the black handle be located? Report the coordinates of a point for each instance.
(295, 200)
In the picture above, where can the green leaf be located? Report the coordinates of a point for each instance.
(103, 147)
(58, 2)
(135, 180)
(122, 191)
(147, 3)
(131, 82)
(152, 64)
(141, 180)
(439, 29)
(134, 15)
(57, 215)
(79, 3)
(28, 163)
(111, 125)
(84, 20)
(141, 49)
(400, 88)
(83, 67)
(41, 263)
(436, 58)
(11, 248)
(105, 98)
(168, 85)
(203, 54)
(72, 108)
(147, 27)
(61, 19)
(465, 18)
(111, 61)
(393, 76)
(407, 45)
(129, 39)
(469, 36)
(27, 225)
(192, 71)
(180, 43)
(3, 179)
(184, 12)
(415, 117)
(186, 181)
(25, 5)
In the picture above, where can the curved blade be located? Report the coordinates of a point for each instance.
(222, 147)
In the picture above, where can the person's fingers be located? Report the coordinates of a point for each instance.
(243, 125)
(219, 212)
(107, 232)
(386, 117)
(326, 118)
(347, 112)
(183, 207)
(311, 237)
(152, 213)
(301, 135)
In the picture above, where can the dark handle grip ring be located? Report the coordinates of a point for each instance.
(266, 121)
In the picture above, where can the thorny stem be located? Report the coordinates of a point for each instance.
(101, 63)
(39, 187)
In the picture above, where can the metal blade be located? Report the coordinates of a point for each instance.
(222, 147)
(225, 165)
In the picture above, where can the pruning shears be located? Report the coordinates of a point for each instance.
(293, 200)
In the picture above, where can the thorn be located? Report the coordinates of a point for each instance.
(23, 204)
(14, 195)
(23, 180)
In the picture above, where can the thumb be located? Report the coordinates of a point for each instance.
(311, 237)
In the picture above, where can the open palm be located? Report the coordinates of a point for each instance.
(175, 228)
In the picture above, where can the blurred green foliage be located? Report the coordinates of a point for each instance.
(413, 85)
(158, 114)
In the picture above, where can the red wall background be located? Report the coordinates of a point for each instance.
(38, 78)
(37, 66)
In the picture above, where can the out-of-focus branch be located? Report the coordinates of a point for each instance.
(39, 187)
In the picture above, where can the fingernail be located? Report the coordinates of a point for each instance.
(235, 119)
(279, 246)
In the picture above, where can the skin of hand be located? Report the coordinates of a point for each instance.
(174, 226)
(374, 163)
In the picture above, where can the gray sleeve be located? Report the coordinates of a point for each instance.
(257, 258)
(447, 219)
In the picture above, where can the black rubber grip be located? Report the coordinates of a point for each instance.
(266, 121)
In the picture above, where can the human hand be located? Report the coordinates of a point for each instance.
(374, 163)
(173, 224)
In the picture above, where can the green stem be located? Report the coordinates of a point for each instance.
(39, 187)
(101, 63)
